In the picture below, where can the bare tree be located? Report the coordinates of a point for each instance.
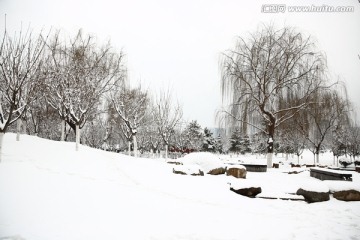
(328, 110)
(166, 117)
(270, 77)
(131, 105)
(79, 75)
(20, 61)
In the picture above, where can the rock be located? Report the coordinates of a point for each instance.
(357, 169)
(347, 195)
(311, 196)
(248, 192)
(192, 170)
(275, 165)
(217, 171)
(238, 171)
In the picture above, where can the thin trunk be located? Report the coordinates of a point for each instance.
(18, 129)
(286, 156)
(166, 151)
(62, 130)
(135, 146)
(269, 157)
(78, 133)
(24, 125)
(317, 159)
(1, 144)
(129, 148)
(298, 157)
(334, 159)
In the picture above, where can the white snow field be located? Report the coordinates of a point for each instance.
(50, 192)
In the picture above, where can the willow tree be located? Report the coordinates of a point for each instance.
(269, 77)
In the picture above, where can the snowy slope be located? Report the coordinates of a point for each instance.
(50, 192)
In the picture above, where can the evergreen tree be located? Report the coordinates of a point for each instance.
(194, 136)
(209, 141)
(219, 146)
(235, 141)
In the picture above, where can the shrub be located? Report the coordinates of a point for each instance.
(345, 162)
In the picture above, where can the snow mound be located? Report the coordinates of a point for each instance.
(189, 169)
(207, 161)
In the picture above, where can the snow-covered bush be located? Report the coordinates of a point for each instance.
(357, 162)
(345, 162)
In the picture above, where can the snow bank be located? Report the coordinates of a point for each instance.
(49, 191)
(207, 161)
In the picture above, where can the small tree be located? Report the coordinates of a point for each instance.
(166, 117)
(131, 106)
(209, 143)
(194, 136)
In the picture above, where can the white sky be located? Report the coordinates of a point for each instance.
(177, 44)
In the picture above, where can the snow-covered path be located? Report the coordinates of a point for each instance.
(49, 191)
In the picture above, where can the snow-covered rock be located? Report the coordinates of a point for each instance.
(207, 161)
(238, 171)
(189, 169)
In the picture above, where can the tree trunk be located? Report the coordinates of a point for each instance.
(317, 159)
(270, 152)
(18, 129)
(129, 148)
(298, 157)
(166, 151)
(78, 133)
(1, 144)
(62, 130)
(334, 160)
(24, 127)
(135, 146)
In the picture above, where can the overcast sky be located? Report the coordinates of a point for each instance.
(177, 44)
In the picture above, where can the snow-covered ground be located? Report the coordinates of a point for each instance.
(50, 192)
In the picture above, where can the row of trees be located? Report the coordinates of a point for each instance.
(276, 84)
(57, 87)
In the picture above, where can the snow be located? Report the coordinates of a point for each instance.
(50, 191)
(315, 187)
(237, 166)
(237, 184)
